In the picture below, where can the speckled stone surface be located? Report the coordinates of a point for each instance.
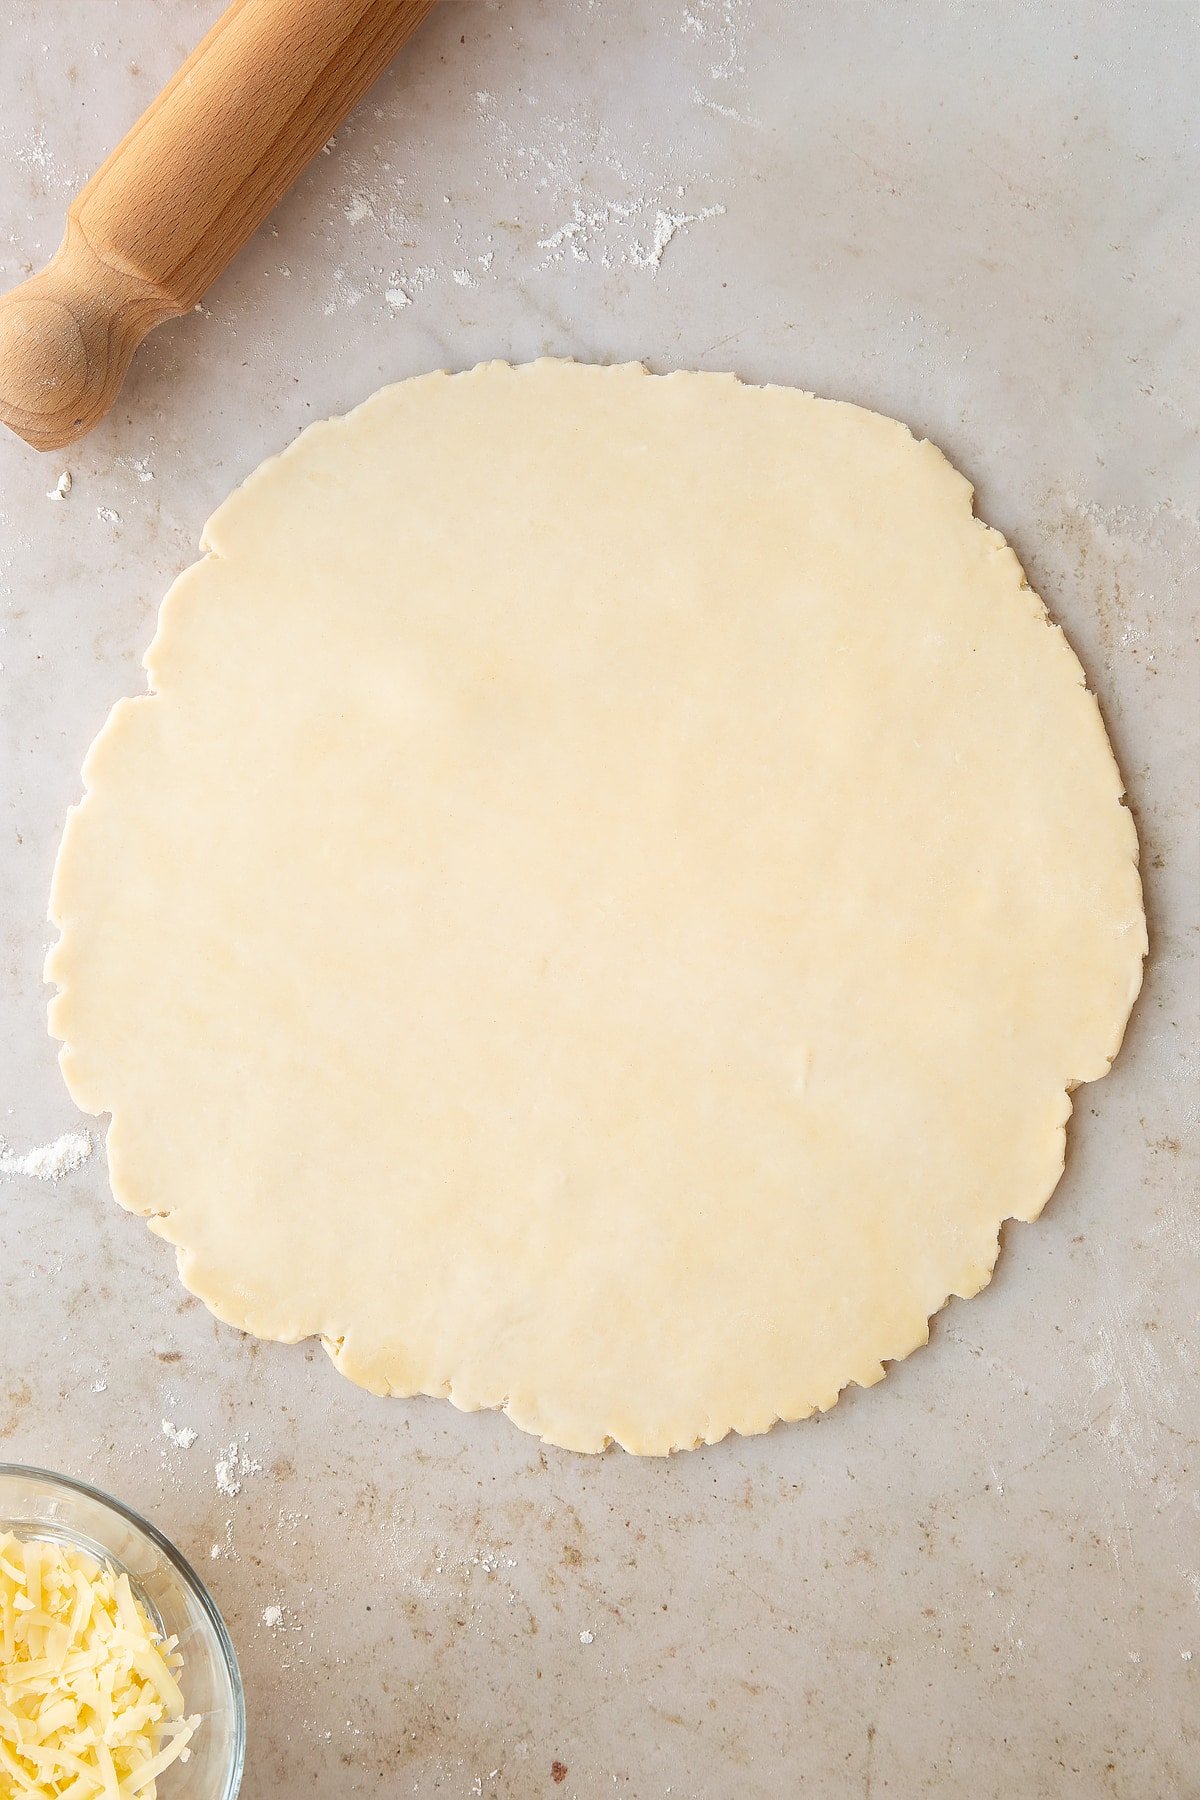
(982, 1577)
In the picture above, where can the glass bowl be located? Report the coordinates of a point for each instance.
(35, 1503)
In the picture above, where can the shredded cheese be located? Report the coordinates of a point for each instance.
(90, 1702)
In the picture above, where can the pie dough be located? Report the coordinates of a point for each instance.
(604, 905)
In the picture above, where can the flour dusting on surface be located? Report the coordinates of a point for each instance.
(666, 224)
(49, 1162)
(358, 207)
(232, 1466)
(572, 192)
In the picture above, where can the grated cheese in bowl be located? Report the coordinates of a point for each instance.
(90, 1702)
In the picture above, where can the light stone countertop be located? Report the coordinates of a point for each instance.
(983, 1577)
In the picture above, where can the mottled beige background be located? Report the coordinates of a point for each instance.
(983, 1577)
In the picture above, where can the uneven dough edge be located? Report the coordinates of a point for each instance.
(524, 1410)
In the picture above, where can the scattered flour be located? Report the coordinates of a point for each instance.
(587, 1637)
(720, 25)
(346, 293)
(232, 1466)
(37, 158)
(666, 224)
(585, 231)
(49, 1162)
(358, 208)
(570, 189)
(715, 106)
(182, 1436)
(490, 1561)
(62, 486)
(226, 1549)
(614, 193)
(36, 154)
(272, 1617)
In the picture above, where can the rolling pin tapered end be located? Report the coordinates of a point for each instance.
(181, 193)
(67, 336)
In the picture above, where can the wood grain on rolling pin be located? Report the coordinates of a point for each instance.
(180, 195)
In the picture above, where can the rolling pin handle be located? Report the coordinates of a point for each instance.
(67, 336)
(181, 193)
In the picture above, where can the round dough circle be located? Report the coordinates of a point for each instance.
(604, 904)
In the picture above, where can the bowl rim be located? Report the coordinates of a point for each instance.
(175, 1556)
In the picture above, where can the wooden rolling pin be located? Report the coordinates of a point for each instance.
(180, 195)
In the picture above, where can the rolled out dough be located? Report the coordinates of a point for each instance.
(604, 904)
